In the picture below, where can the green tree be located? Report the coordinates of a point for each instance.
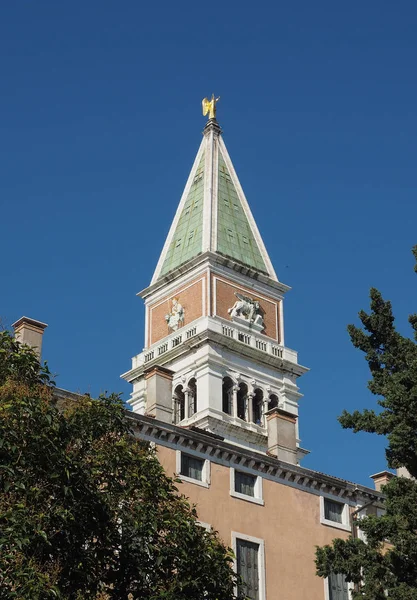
(86, 511)
(380, 570)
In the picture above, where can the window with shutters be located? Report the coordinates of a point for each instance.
(337, 587)
(246, 486)
(193, 469)
(334, 513)
(250, 565)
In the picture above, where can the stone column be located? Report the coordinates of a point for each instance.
(235, 389)
(249, 408)
(175, 403)
(186, 401)
(264, 411)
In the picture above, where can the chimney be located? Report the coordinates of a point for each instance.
(158, 386)
(29, 331)
(403, 472)
(282, 437)
(381, 479)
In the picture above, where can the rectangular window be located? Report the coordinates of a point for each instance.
(245, 483)
(178, 244)
(192, 467)
(338, 588)
(246, 486)
(333, 511)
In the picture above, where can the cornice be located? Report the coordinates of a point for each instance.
(217, 450)
(212, 259)
(269, 467)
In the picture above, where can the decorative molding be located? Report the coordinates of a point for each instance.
(268, 467)
(223, 266)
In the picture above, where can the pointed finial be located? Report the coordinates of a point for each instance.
(209, 106)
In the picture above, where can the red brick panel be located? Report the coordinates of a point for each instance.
(225, 299)
(189, 296)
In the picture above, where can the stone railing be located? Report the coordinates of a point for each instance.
(232, 331)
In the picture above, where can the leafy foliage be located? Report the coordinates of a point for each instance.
(86, 511)
(386, 565)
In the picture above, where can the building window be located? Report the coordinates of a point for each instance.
(227, 391)
(273, 401)
(193, 469)
(192, 397)
(334, 513)
(178, 404)
(250, 565)
(242, 396)
(245, 483)
(337, 587)
(257, 407)
(246, 486)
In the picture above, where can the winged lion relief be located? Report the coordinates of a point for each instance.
(248, 309)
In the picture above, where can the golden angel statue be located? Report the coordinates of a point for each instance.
(209, 106)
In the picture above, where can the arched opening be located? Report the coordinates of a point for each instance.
(257, 406)
(242, 395)
(192, 397)
(179, 404)
(227, 395)
(273, 401)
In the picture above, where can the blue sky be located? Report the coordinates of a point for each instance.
(100, 110)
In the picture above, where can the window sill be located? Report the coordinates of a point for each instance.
(186, 479)
(252, 499)
(335, 524)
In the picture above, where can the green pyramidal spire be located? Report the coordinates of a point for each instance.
(213, 214)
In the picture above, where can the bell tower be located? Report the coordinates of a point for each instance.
(215, 356)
